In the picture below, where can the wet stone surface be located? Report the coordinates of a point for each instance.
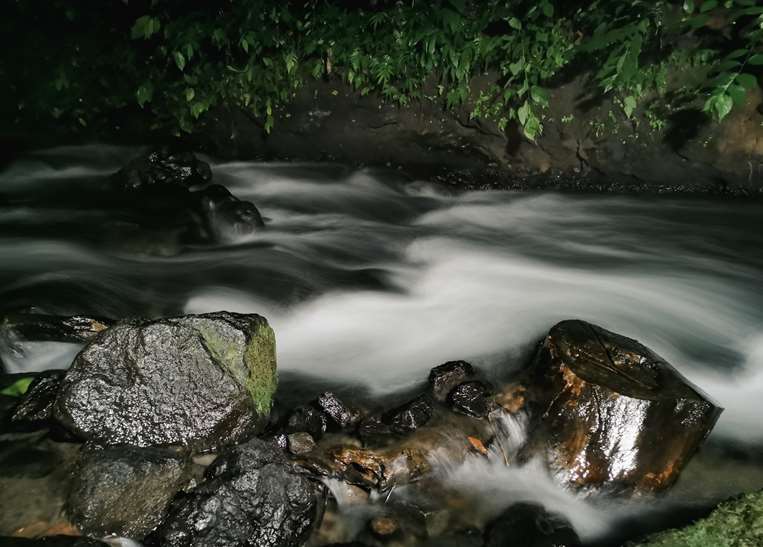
(443, 378)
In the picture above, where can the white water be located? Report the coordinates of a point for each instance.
(370, 281)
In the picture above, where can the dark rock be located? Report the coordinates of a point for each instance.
(300, 443)
(307, 418)
(612, 414)
(54, 328)
(52, 541)
(124, 490)
(443, 378)
(163, 167)
(410, 416)
(37, 404)
(281, 440)
(530, 525)
(252, 495)
(373, 427)
(471, 398)
(340, 414)
(197, 380)
(226, 214)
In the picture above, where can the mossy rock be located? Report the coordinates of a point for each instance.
(734, 523)
(197, 380)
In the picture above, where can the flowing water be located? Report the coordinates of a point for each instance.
(370, 280)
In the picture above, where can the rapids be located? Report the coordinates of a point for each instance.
(370, 280)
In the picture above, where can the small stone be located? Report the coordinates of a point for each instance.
(531, 524)
(470, 398)
(307, 418)
(384, 526)
(300, 443)
(37, 404)
(410, 416)
(443, 378)
(341, 414)
(372, 428)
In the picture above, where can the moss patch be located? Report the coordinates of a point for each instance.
(253, 366)
(734, 523)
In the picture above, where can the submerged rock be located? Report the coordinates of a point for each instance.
(733, 523)
(410, 416)
(341, 414)
(197, 380)
(471, 398)
(54, 328)
(443, 378)
(530, 525)
(252, 495)
(225, 214)
(124, 490)
(612, 414)
(163, 167)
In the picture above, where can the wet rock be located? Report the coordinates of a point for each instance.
(530, 525)
(37, 404)
(736, 522)
(443, 378)
(373, 428)
(384, 526)
(410, 416)
(35, 473)
(461, 538)
(342, 415)
(300, 443)
(307, 418)
(53, 328)
(196, 380)
(226, 214)
(281, 440)
(252, 495)
(471, 398)
(163, 167)
(612, 414)
(124, 490)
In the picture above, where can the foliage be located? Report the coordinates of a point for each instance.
(17, 388)
(181, 60)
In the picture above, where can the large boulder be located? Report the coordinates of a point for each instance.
(196, 380)
(611, 414)
(252, 495)
(124, 490)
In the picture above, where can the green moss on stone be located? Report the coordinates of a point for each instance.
(254, 367)
(734, 523)
(260, 359)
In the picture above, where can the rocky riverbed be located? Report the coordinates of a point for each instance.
(181, 429)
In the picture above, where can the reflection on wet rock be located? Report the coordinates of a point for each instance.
(611, 414)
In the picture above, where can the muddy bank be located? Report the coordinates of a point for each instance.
(596, 148)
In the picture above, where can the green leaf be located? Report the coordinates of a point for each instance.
(190, 93)
(708, 5)
(517, 67)
(523, 112)
(539, 95)
(548, 8)
(748, 81)
(179, 60)
(145, 27)
(515, 23)
(738, 94)
(719, 105)
(17, 388)
(629, 105)
(756, 59)
(145, 93)
(689, 6)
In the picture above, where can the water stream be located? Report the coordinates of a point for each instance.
(370, 280)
